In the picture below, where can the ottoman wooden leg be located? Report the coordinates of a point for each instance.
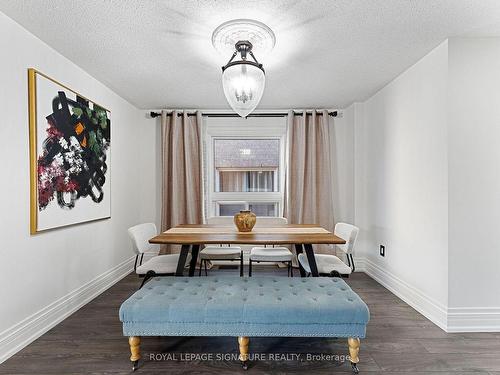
(243, 341)
(134, 342)
(353, 353)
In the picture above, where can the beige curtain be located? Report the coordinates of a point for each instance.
(182, 183)
(308, 193)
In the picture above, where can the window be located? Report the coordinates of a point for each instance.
(245, 166)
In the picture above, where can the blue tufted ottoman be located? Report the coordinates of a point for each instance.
(243, 307)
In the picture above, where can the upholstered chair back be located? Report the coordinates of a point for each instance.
(349, 233)
(140, 235)
(221, 220)
(264, 221)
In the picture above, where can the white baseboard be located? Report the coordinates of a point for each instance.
(425, 305)
(473, 319)
(23, 333)
(448, 319)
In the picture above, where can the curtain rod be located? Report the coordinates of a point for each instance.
(270, 114)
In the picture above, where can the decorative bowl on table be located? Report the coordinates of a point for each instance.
(245, 220)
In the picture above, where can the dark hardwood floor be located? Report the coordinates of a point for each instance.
(399, 340)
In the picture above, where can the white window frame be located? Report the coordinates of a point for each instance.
(241, 128)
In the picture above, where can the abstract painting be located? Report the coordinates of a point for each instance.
(70, 139)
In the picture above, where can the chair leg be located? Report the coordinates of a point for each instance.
(135, 263)
(250, 267)
(352, 262)
(241, 263)
(147, 276)
(206, 271)
(201, 265)
(291, 269)
(335, 273)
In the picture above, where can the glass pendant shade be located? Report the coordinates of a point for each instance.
(243, 86)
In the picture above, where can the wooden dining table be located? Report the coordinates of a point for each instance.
(192, 236)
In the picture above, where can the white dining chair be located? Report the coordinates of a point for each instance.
(158, 265)
(221, 252)
(329, 264)
(270, 253)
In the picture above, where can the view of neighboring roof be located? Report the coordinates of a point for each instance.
(241, 153)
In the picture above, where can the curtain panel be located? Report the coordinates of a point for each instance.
(182, 165)
(308, 192)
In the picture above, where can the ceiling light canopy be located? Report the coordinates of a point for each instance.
(243, 77)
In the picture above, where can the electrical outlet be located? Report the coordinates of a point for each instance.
(382, 250)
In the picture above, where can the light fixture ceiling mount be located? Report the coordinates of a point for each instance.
(226, 35)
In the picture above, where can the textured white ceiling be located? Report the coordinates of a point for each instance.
(328, 53)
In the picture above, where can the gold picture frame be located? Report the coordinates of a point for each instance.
(34, 134)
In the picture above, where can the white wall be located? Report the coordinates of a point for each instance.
(401, 174)
(474, 175)
(427, 184)
(39, 272)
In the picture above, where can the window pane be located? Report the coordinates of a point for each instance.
(261, 181)
(246, 165)
(252, 181)
(263, 209)
(229, 209)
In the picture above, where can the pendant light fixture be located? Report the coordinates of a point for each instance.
(243, 80)
(243, 77)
